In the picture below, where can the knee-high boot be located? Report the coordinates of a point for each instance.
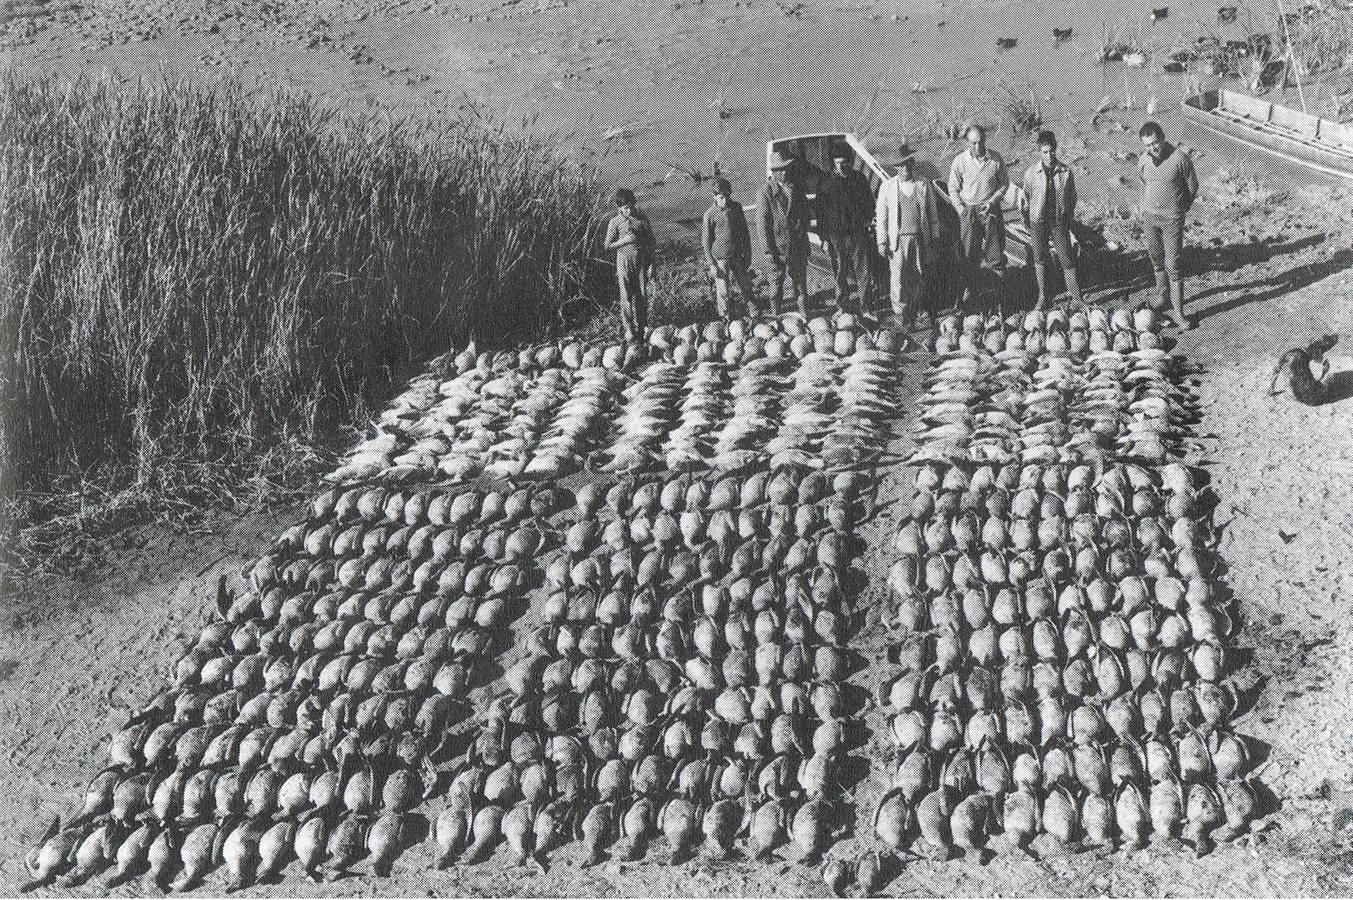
(1177, 302)
(1073, 284)
(1162, 290)
(1041, 275)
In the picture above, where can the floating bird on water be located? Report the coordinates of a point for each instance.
(1226, 14)
(1006, 43)
(1160, 13)
(1061, 34)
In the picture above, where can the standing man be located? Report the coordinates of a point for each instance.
(977, 179)
(631, 237)
(906, 223)
(845, 205)
(782, 224)
(728, 249)
(1169, 187)
(1049, 202)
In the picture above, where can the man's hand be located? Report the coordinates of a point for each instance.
(826, 246)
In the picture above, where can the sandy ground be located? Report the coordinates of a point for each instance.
(76, 652)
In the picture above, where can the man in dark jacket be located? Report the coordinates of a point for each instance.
(728, 249)
(845, 207)
(782, 223)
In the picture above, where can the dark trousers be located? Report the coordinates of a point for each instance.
(631, 278)
(850, 254)
(794, 266)
(981, 239)
(1165, 245)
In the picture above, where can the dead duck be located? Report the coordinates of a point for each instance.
(1006, 43)
(1061, 34)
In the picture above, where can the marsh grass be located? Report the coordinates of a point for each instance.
(194, 276)
(1242, 190)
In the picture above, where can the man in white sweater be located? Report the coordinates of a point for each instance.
(905, 224)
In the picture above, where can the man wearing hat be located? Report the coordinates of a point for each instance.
(906, 223)
(728, 249)
(782, 223)
(845, 207)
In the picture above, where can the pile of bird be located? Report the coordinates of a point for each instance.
(687, 679)
(547, 412)
(533, 414)
(783, 338)
(1017, 406)
(1074, 330)
(303, 723)
(819, 412)
(1063, 645)
(685, 682)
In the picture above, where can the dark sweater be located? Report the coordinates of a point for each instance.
(725, 234)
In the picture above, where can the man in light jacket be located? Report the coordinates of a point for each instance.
(1049, 202)
(782, 218)
(906, 223)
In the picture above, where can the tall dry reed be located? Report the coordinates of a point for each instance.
(192, 274)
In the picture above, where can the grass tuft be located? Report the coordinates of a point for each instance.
(194, 276)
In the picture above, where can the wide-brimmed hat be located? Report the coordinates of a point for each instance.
(780, 160)
(841, 150)
(905, 153)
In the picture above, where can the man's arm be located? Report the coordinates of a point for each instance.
(612, 236)
(1190, 178)
(742, 236)
(881, 219)
(763, 224)
(707, 235)
(1070, 196)
(956, 181)
(1001, 182)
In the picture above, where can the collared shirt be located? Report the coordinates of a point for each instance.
(1168, 187)
(1059, 184)
(844, 204)
(724, 233)
(636, 225)
(974, 181)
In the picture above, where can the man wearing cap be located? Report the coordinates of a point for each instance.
(977, 179)
(782, 224)
(1049, 204)
(631, 237)
(728, 249)
(845, 206)
(906, 222)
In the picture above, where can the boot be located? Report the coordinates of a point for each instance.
(1073, 285)
(803, 306)
(1177, 302)
(1162, 291)
(1041, 275)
